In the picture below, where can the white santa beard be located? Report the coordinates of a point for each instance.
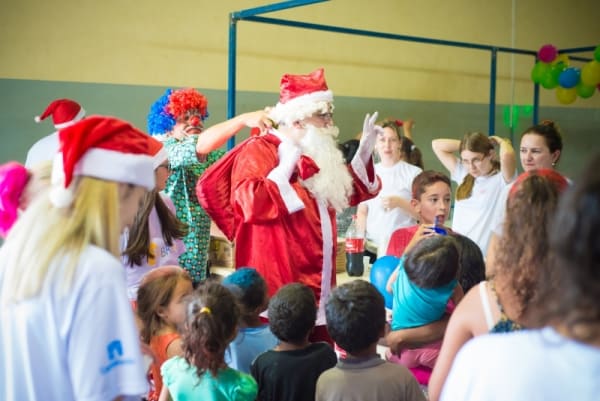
(333, 182)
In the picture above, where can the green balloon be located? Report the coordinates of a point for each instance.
(585, 91)
(549, 81)
(539, 71)
(597, 54)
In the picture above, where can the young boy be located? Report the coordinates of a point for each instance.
(356, 320)
(431, 199)
(289, 372)
(254, 337)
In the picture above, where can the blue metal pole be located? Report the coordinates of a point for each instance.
(231, 84)
(284, 5)
(493, 76)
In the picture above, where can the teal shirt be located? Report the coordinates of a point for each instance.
(414, 306)
(184, 384)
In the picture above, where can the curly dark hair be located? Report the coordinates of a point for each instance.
(292, 313)
(212, 319)
(433, 262)
(472, 263)
(523, 248)
(569, 285)
(355, 315)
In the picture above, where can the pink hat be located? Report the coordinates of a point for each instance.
(101, 147)
(301, 96)
(64, 112)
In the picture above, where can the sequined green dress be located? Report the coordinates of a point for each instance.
(181, 188)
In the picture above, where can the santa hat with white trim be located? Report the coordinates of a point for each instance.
(301, 96)
(158, 152)
(64, 112)
(105, 148)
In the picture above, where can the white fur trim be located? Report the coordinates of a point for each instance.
(361, 172)
(302, 106)
(159, 158)
(117, 166)
(292, 201)
(78, 117)
(37, 119)
(326, 231)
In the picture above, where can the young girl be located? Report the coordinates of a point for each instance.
(67, 331)
(210, 325)
(254, 336)
(161, 309)
(155, 238)
(482, 177)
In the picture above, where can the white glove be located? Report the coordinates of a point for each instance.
(368, 138)
(289, 153)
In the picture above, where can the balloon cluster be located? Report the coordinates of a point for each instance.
(553, 71)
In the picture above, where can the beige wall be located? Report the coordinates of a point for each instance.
(146, 43)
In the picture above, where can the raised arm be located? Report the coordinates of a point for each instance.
(508, 161)
(407, 127)
(412, 338)
(445, 150)
(215, 136)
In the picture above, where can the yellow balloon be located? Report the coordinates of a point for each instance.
(566, 96)
(562, 58)
(590, 73)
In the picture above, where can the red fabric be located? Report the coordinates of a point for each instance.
(159, 345)
(283, 247)
(307, 167)
(400, 239)
(292, 86)
(100, 132)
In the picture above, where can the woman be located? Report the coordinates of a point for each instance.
(540, 148)
(562, 360)
(482, 177)
(67, 331)
(391, 209)
(501, 304)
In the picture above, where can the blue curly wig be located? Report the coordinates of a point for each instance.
(248, 286)
(160, 121)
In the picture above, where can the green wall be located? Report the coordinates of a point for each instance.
(21, 100)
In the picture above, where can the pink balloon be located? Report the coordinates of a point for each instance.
(547, 53)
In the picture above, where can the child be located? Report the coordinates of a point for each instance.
(426, 280)
(161, 309)
(356, 320)
(212, 317)
(155, 237)
(431, 197)
(289, 372)
(254, 336)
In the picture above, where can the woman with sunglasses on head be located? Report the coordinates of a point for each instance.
(481, 175)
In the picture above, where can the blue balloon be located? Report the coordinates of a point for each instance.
(380, 273)
(569, 78)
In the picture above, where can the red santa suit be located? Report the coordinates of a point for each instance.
(280, 228)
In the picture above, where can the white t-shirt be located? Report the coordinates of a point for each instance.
(474, 216)
(532, 365)
(43, 150)
(163, 254)
(78, 345)
(396, 180)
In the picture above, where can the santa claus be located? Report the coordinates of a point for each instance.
(276, 194)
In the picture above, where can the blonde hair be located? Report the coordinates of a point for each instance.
(44, 235)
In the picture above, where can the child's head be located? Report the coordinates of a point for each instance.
(355, 316)
(292, 313)
(431, 196)
(472, 264)
(211, 324)
(251, 290)
(162, 299)
(433, 262)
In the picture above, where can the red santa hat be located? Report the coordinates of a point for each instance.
(105, 148)
(64, 112)
(301, 96)
(158, 152)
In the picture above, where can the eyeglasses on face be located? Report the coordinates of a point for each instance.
(476, 161)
